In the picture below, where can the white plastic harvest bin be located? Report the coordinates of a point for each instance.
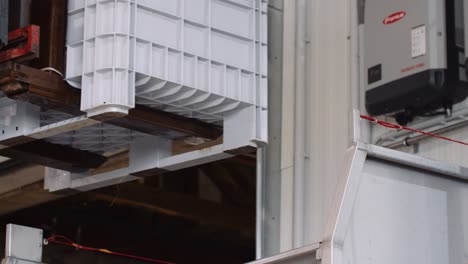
(196, 58)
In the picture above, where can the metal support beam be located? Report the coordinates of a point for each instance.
(275, 173)
(148, 156)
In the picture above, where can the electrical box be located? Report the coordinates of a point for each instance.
(414, 56)
(23, 245)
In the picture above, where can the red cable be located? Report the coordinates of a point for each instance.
(397, 127)
(68, 242)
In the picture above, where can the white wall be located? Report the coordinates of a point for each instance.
(309, 132)
(328, 108)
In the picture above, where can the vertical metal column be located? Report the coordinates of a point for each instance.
(270, 173)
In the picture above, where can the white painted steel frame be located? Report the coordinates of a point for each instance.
(146, 152)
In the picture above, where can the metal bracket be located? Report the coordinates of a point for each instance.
(435, 125)
(17, 118)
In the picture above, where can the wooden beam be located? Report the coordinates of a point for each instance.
(22, 188)
(38, 87)
(28, 196)
(114, 162)
(53, 155)
(152, 121)
(180, 205)
(20, 176)
(49, 91)
(51, 17)
(179, 146)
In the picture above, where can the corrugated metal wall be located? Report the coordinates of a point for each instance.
(309, 132)
(328, 101)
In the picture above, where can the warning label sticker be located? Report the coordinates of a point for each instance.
(418, 41)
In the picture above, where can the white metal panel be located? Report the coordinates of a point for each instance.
(270, 175)
(328, 109)
(316, 114)
(407, 216)
(23, 243)
(17, 118)
(393, 207)
(399, 208)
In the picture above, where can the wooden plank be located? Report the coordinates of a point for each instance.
(180, 147)
(38, 87)
(53, 155)
(25, 197)
(174, 122)
(20, 176)
(23, 187)
(51, 17)
(114, 162)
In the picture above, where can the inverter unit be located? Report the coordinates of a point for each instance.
(414, 56)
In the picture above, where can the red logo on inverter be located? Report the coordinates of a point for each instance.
(395, 17)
